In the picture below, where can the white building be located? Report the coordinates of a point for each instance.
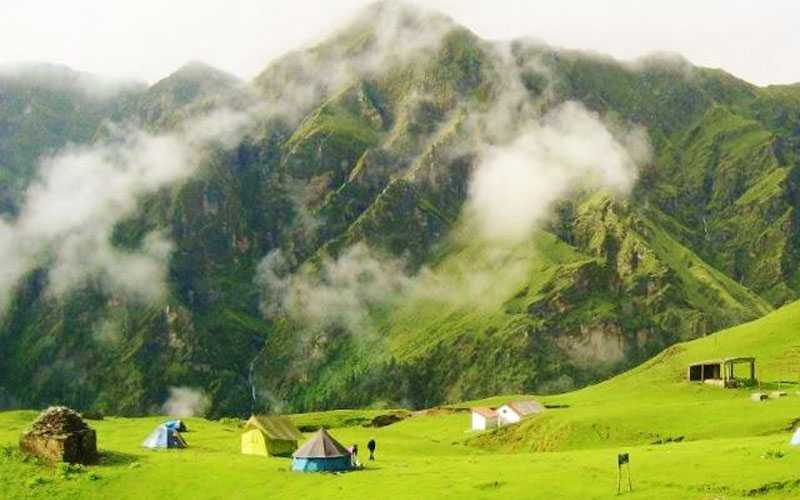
(483, 418)
(514, 411)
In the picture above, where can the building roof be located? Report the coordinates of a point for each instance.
(523, 408)
(276, 427)
(736, 359)
(484, 411)
(58, 420)
(321, 445)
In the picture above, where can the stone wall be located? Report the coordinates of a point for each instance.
(75, 447)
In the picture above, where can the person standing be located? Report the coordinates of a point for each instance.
(371, 446)
(354, 455)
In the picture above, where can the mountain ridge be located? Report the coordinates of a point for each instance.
(380, 154)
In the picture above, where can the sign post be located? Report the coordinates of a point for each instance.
(623, 460)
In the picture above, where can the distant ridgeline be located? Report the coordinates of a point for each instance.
(326, 253)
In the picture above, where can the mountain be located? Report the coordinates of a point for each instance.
(328, 255)
(43, 109)
(171, 100)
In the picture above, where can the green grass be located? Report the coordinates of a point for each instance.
(419, 458)
(334, 419)
(704, 285)
(443, 305)
(729, 446)
(653, 402)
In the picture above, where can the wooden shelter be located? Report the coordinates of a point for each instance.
(721, 371)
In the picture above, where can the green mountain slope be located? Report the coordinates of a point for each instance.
(545, 316)
(666, 405)
(379, 155)
(182, 94)
(684, 440)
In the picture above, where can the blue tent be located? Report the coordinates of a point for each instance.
(322, 453)
(164, 437)
(177, 425)
(795, 441)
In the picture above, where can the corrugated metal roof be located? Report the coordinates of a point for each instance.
(486, 412)
(737, 359)
(524, 408)
(321, 445)
(275, 427)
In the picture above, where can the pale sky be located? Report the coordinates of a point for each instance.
(758, 41)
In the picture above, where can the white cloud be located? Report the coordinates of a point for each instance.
(69, 212)
(185, 402)
(515, 185)
(340, 293)
(396, 35)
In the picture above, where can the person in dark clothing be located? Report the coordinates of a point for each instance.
(371, 446)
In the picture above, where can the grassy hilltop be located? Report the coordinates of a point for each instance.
(685, 441)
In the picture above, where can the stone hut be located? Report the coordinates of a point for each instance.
(59, 434)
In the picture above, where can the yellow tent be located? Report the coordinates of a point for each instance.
(269, 435)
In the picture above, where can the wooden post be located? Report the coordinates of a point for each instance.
(630, 484)
(623, 460)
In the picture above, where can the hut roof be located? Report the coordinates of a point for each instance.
(58, 420)
(523, 408)
(485, 412)
(321, 445)
(721, 361)
(275, 426)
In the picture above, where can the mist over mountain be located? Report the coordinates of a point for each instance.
(404, 214)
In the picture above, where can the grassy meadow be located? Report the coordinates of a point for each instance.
(685, 441)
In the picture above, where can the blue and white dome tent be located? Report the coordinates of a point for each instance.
(164, 437)
(178, 425)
